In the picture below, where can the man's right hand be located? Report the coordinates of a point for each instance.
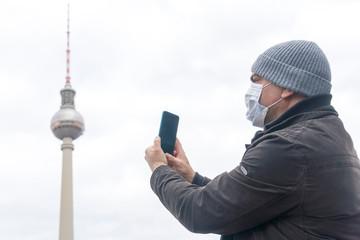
(179, 162)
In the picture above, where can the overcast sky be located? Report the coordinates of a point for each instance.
(130, 60)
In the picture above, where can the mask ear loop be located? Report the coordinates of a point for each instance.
(275, 103)
(267, 85)
(262, 89)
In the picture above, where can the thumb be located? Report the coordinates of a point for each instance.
(169, 157)
(172, 161)
(157, 141)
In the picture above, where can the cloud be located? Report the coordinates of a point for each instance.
(130, 60)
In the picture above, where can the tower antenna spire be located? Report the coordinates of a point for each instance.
(68, 49)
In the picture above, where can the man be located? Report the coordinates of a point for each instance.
(298, 179)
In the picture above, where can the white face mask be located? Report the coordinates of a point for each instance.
(256, 112)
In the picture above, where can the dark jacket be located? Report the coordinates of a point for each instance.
(298, 179)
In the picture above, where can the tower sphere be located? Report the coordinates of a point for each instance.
(67, 122)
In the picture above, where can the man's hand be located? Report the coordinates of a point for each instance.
(180, 163)
(154, 155)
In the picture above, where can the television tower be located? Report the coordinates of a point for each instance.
(67, 125)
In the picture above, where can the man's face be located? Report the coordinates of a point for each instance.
(269, 95)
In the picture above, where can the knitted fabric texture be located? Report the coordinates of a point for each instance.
(297, 65)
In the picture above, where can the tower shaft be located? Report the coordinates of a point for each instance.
(66, 208)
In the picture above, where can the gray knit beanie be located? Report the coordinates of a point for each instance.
(297, 65)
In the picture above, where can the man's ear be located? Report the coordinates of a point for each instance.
(287, 93)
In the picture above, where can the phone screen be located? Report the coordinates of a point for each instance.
(168, 129)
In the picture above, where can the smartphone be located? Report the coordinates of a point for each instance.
(168, 129)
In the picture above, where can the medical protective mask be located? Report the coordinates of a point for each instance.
(256, 112)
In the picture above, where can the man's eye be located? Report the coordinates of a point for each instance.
(254, 79)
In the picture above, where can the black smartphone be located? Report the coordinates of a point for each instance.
(168, 129)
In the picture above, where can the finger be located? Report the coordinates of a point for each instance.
(178, 146)
(157, 141)
(146, 151)
(177, 142)
(173, 160)
(170, 158)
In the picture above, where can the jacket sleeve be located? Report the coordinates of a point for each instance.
(241, 199)
(200, 180)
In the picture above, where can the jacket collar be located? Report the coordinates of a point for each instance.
(309, 104)
(309, 108)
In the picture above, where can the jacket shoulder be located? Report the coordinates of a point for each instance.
(275, 158)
